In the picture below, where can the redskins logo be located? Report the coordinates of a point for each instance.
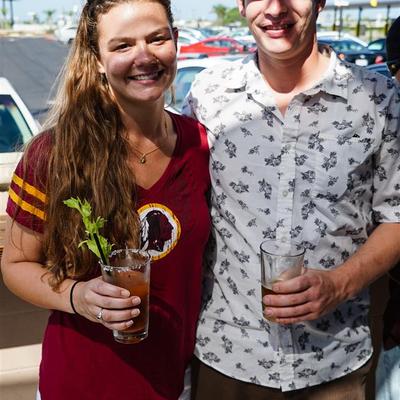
(160, 230)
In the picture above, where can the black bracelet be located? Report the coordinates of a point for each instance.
(71, 300)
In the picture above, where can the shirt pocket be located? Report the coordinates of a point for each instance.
(342, 163)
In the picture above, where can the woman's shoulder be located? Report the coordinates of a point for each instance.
(185, 120)
(189, 129)
(39, 143)
(39, 146)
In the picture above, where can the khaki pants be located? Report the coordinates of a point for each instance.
(209, 384)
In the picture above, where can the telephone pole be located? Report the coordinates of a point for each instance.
(11, 13)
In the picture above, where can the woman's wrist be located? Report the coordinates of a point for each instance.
(71, 297)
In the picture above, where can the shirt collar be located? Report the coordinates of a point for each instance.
(335, 81)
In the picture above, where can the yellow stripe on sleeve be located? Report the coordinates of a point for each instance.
(29, 188)
(26, 206)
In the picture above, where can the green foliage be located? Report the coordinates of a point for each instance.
(220, 11)
(227, 16)
(49, 15)
(92, 228)
(233, 16)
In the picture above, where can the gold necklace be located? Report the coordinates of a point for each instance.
(143, 156)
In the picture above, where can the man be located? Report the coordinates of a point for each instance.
(393, 49)
(303, 147)
(388, 370)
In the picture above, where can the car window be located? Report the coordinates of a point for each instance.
(212, 43)
(14, 131)
(225, 43)
(378, 45)
(347, 45)
(182, 83)
(184, 40)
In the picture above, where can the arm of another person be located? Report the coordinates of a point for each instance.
(317, 292)
(24, 274)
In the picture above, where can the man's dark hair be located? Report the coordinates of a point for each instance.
(393, 47)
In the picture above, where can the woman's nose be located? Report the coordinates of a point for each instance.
(144, 55)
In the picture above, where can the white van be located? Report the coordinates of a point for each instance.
(17, 127)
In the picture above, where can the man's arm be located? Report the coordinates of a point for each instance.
(317, 292)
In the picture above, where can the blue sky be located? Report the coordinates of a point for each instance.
(185, 9)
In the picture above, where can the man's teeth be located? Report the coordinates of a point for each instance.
(145, 77)
(278, 27)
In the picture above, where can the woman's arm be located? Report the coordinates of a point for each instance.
(24, 274)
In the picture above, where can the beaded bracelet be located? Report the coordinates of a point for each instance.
(71, 300)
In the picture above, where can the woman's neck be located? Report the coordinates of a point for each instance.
(144, 124)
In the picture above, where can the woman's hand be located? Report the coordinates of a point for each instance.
(110, 305)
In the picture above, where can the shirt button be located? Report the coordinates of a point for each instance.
(285, 193)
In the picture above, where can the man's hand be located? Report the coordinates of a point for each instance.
(315, 293)
(305, 298)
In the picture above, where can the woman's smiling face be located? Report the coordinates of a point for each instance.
(137, 51)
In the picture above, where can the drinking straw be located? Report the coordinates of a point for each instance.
(103, 257)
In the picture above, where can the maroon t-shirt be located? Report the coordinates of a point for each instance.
(80, 359)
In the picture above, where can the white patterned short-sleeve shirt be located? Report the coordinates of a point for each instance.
(324, 174)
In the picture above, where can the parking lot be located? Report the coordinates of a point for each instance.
(32, 66)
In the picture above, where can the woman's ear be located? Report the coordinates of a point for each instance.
(100, 67)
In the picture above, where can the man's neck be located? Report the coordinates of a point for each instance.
(292, 76)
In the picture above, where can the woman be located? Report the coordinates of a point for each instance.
(113, 144)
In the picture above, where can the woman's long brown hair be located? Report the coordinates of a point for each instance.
(88, 158)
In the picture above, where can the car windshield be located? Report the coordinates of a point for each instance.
(347, 45)
(14, 131)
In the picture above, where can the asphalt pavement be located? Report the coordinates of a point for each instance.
(32, 66)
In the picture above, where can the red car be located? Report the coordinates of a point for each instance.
(213, 46)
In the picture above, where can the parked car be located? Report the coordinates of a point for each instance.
(193, 32)
(186, 72)
(17, 127)
(185, 38)
(336, 35)
(380, 69)
(379, 48)
(351, 51)
(213, 46)
(66, 34)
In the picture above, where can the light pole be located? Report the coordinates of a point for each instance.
(340, 4)
(4, 14)
(11, 13)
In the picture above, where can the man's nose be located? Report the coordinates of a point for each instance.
(275, 8)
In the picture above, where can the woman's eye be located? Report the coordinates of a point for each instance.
(159, 39)
(122, 46)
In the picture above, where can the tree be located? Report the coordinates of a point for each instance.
(49, 16)
(4, 11)
(220, 11)
(233, 16)
(227, 16)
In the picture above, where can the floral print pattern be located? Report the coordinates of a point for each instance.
(324, 174)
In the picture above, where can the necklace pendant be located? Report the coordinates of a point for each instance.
(142, 159)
